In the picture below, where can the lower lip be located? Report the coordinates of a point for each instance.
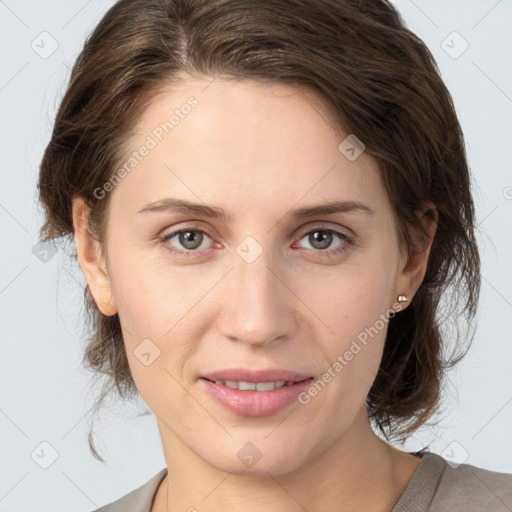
(255, 403)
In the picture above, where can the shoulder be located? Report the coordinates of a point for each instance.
(472, 488)
(438, 485)
(138, 500)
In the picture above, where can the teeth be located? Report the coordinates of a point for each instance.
(246, 386)
(253, 386)
(265, 386)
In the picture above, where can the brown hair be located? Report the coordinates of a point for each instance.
(381, 83)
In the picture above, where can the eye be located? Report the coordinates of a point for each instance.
(321, 239)
(190, 239)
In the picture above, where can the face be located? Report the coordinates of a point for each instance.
(250, 281)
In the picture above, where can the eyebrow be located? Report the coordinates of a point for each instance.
(170, 205)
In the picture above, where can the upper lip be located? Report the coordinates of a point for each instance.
(248, 375)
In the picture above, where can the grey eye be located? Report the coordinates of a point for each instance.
(190, 239)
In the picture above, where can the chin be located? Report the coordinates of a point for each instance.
(248, 461)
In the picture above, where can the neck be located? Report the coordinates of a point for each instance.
(339, 478)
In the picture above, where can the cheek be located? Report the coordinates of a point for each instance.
(150, 298)
(353, 306)
(350, 301)
(159, 309)
(156, 330)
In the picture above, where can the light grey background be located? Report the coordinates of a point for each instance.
(45, 393)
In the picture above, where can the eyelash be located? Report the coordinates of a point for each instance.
(327, 253)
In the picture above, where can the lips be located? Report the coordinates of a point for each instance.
(254, 403)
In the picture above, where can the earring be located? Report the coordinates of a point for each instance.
(402, 298)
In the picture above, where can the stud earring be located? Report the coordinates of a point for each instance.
(402, 298)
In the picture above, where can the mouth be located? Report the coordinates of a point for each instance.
(255, 393)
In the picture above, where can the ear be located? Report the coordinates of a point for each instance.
(91, 259)
(414, 265)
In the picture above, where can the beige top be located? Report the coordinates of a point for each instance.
(435, 487)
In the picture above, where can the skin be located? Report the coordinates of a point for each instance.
(258, 151)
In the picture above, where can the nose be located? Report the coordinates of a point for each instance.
(259, 307)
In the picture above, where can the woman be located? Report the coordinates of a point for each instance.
(270, 202)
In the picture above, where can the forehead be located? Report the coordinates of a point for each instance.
(244, 144)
